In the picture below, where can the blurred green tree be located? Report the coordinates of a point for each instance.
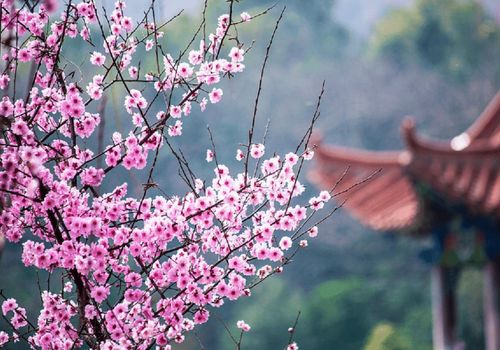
(386, 337)
(470, 312)
(454, 37)
(339, 311)
(309, 31)
(277, 309)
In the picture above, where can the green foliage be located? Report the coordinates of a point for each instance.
(385, 337)
(470, 311)
(417, 327)
(338, 311)
(272, 308)
(451, 36)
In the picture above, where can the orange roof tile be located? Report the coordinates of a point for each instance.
(464, 170)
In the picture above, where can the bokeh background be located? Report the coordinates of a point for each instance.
(436, 60)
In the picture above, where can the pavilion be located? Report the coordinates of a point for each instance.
(442, 189)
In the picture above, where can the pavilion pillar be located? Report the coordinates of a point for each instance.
(443, 308)
(491, 299)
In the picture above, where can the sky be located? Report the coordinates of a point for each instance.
(357, 15)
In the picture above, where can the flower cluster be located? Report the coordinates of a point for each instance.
(138, 271)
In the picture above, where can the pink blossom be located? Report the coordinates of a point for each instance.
(201, 316)
(203, 104)
(90, 312)
(186, 108)
(127, 23)
(257, 150)
(324, 196)
(239, 155)
(243, 326)
(270, 165)
(68, 287)
(245, 16)
(50, 5)
(184, 70)
(274, 254)
(97, 58)
(285, 243)
(237, 54)
(215, 95)
(133, 71)
(4, 338)
(99, 293)
(175, 111)
(291, 158)
(4, 81)
(8, 305)
(308, 154)
(85, 34)
(92, 176)
(316, 203)
(24, 55)
(210, 155)
(94, 91)
(176, 129)
(195, 57)
(19, 319)
(166, 259)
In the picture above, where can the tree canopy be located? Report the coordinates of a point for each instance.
(453, 37)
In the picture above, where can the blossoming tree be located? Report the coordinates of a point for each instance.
(139, 272)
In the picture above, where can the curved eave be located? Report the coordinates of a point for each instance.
(371, 185)
(488, 123)
(482, 137)
(355, 157)
(377, 188)
(420, 146)
(469, 176)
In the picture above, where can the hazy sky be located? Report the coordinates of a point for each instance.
(360, 15)
(136, 8)
(357, 15)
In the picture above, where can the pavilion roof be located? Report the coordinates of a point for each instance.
(380, 188)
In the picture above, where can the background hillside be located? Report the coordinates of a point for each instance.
(354, 287)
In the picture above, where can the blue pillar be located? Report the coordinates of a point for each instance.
(444, 276)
